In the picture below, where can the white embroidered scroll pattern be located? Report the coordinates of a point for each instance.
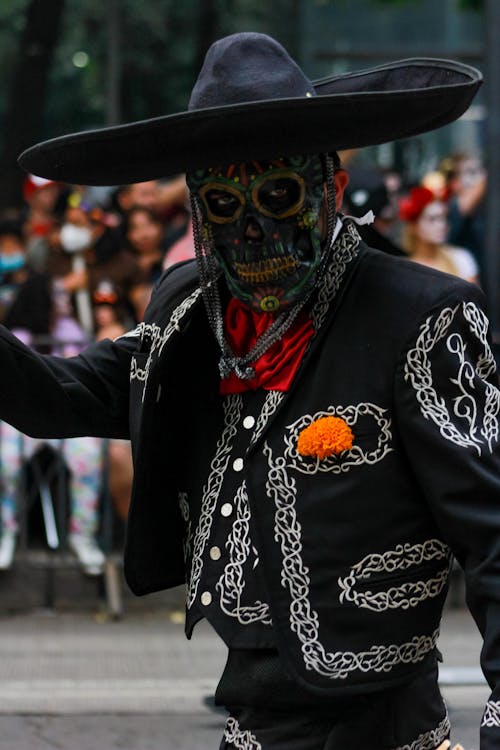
(345, 249)
(349, 458)
(232, 582)
(232, 410)
(476, 423)
(304, 621)
(403, 558)
(430, 740)
(491, 716)
(159, 337)
(272, 401)
(241, 739)
(486, 366)
(138, 373)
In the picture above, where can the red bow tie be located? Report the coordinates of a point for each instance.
(276, 368)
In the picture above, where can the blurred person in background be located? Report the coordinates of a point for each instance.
(33, 306)
(182, 249)
(166, 199)
(16, 272)
(143, 194)
(109, 315)
(173, 208)
(41, 199)
(144, 236)
(425, 235)
(467, 180)
(109, 324)
(366, 192)
(85, 252)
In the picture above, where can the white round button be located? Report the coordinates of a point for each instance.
(215, 553)
(226, 509)
(238, 464)
(206, 598)
(248, 422)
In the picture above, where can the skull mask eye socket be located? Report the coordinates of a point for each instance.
(279, 195)
(223, 203)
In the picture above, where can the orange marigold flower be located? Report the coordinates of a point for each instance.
(324, 437)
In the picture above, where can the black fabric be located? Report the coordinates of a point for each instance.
(31, 308)
(389, 719)
(251, 101)
(380, 241)
(257, 678)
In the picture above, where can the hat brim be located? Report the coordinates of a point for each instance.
(358, 109)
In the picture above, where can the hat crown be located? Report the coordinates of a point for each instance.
(248, 67)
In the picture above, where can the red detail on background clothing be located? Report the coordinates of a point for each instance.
(276, 368)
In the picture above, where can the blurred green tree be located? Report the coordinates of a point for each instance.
(162, 45)
(26, 90)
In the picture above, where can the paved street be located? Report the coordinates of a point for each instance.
(78, 681)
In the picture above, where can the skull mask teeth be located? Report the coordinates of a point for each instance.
(264, 271)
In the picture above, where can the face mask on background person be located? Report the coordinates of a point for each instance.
(75, 239)
(10, 262)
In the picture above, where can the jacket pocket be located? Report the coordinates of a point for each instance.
(397, 579)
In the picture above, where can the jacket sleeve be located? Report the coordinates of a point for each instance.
(447, 405)
(45, 396)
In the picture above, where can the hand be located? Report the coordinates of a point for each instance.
(446, 744)
(75, 280)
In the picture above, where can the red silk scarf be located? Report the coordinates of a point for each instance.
(276, 368)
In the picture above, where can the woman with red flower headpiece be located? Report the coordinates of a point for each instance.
(424, 238)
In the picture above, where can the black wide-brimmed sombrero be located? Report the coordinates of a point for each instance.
(252, 101)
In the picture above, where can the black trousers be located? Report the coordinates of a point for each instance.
(409, 717)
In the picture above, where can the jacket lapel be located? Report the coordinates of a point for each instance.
(334, 285)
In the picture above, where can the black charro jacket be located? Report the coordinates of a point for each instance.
(355, 549)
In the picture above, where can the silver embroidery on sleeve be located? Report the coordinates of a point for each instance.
(472, 427)
(232, 410)
(232, 582)
(430, 740)
(344, 461)
(138, 373)
(160, 337)
(407, 594)
(241, 739)
(478, 324)
(491, 716)
(304, 621)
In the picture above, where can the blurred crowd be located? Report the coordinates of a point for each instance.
(78, 264)
(439, 222)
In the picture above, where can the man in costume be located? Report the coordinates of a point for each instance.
(315, 423)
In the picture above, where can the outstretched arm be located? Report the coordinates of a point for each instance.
(47, 396)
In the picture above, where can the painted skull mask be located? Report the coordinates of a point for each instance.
(261, 219)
